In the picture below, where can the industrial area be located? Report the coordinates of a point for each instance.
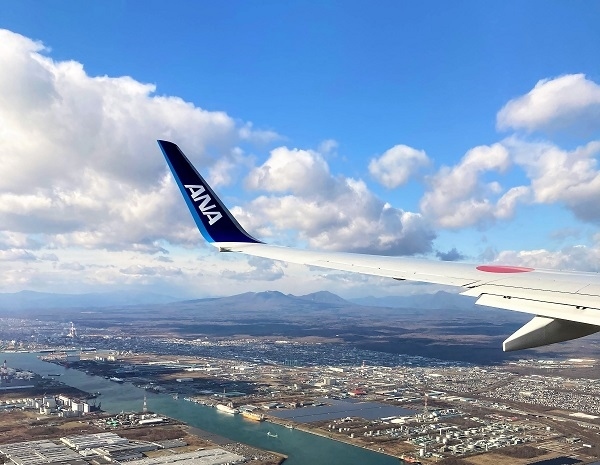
(412, 411)
(415, 408)
(108, 447)
(145, 437)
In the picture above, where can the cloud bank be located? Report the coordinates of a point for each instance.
(330, 212)
(85, 196)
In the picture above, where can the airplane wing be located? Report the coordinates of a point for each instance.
(565, 305)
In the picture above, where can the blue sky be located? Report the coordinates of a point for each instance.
(364, 104)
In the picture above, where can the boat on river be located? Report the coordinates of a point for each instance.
(253, 416)
(226, 409)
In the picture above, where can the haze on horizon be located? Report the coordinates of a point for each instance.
(448, 131)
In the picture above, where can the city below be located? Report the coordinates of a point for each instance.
(542, 409)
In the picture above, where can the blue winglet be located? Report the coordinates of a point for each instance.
(213, 219)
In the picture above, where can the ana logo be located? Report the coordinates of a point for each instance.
(203, 203)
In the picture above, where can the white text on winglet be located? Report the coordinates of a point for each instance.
(203, 203)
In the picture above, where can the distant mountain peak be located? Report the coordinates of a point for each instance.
(325, 297)
(271, 294)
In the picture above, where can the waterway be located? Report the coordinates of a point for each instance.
(301, 448)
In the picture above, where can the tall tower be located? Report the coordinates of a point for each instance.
(4, 372)
(145, 408)
(425, 409)
(73, 331)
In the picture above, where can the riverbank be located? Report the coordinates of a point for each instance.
(318, 432)
(260, 455)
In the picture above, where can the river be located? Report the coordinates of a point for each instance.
(301, 448)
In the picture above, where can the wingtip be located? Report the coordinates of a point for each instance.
(215, 222)
(162, 142)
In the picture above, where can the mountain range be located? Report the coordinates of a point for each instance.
(25, 300)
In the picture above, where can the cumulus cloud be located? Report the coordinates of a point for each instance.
(578, 257)
(571, 101)
(80, 164)
(458, 197)
(397, 165)
(12, 240)
(330, 212)
(302, 172)
(261, 269)
(463, 196)
(142, 270)
(258, 136)
(328, 147)
(565, 233)
(568, 177)
(17, 255)
(81, 172)
(71, 266)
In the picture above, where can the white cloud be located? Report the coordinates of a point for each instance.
(80, 164)
(142, 270)
(397, 165)
(579, 257)
(259, 269)
(329, 212)
(71, 266)
(257, 136)
(83, 180)
(328, 147)
(303, 172)
(14, 240)
(11, 255)
(505, 207)
(571, 178)
(86, 201)
(571, 101)
(458, 198)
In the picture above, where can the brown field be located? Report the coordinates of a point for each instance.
(500, 459)
(17, 426)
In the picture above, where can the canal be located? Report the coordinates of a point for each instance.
(301, 448)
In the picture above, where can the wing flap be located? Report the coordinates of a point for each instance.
(566, 298)
(541, 331)
(550, 309)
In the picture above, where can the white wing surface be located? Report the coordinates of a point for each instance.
(565, 305)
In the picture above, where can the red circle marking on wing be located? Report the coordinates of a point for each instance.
(503, 269)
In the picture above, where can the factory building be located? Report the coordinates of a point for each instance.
(201, 457)
(108, 448)
(40, 452)
(130, 450)
(71, 405)
(11, 379)
(93, 441)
